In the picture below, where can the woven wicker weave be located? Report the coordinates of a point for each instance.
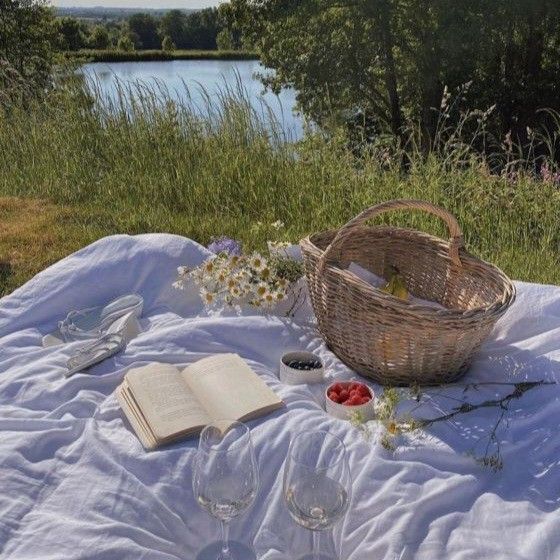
(388, 339)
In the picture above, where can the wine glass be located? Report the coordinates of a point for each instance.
(225, 482)
(317, 485)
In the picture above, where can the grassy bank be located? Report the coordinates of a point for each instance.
(155, 55)
(34, 233)
(155, 166)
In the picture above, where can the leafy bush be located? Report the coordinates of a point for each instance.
(27, 45)
(126, 44)
(99, 38)
(167, 44)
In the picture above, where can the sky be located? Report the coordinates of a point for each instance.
(137, 3)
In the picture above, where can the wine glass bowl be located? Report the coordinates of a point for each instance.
(226, 481)
(317, 485)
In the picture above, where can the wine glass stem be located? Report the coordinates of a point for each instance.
(225, 539)
(316, 545)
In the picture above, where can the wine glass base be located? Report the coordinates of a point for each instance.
(237, 551)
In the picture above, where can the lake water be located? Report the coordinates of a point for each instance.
(210, 76)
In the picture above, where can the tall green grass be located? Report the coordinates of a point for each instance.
(141, 162)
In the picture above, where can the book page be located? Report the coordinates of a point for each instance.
(165, 400)
(228, 388)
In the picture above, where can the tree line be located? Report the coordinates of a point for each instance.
(206, 29)
(33, 40)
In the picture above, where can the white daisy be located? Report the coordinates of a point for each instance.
(209, 266)
(208, 297)
(235, 261)
(279, 295)
(265, 273)
(235, 291)
(268, 298)
(261, 290)
(257, 262)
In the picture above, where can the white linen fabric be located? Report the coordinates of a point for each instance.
(75, 483)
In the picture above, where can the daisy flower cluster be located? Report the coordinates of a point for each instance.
(228, 279)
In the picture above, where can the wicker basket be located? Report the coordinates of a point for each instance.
(388, 339)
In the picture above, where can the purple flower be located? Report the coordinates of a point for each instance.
(225, 245)
(549, 175)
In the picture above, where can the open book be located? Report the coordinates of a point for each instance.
(163, 403)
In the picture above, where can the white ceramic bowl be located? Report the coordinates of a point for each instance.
(342, 411)
(293, 376)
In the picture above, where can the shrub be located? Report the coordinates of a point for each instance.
(125, 43)
(167, 44)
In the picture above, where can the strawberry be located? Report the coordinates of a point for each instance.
(354, 401)
(344, 395)
(337, 388)
(363, 391)
(364, 400)
(354, 385)
(334, 397)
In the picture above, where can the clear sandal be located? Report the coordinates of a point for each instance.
(118, 335)
(91, 323)
(108, 345)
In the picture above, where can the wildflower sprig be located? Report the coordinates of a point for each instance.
(397, 425)
(232, 278)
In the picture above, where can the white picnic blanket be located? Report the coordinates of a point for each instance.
(75, 482)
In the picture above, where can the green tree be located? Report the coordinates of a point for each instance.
(73, 34)
(201, 29)
(230, 36)
(224, 40)
(144, 26)
(167, 44)
(27, 44)
(99, 37)
(197, 30)
(520, 68)
(125, 43)
(390, 60)
(172, 25)
(115, 30)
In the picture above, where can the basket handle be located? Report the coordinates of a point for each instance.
(456, 235)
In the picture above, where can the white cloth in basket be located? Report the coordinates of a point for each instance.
(378, 282)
